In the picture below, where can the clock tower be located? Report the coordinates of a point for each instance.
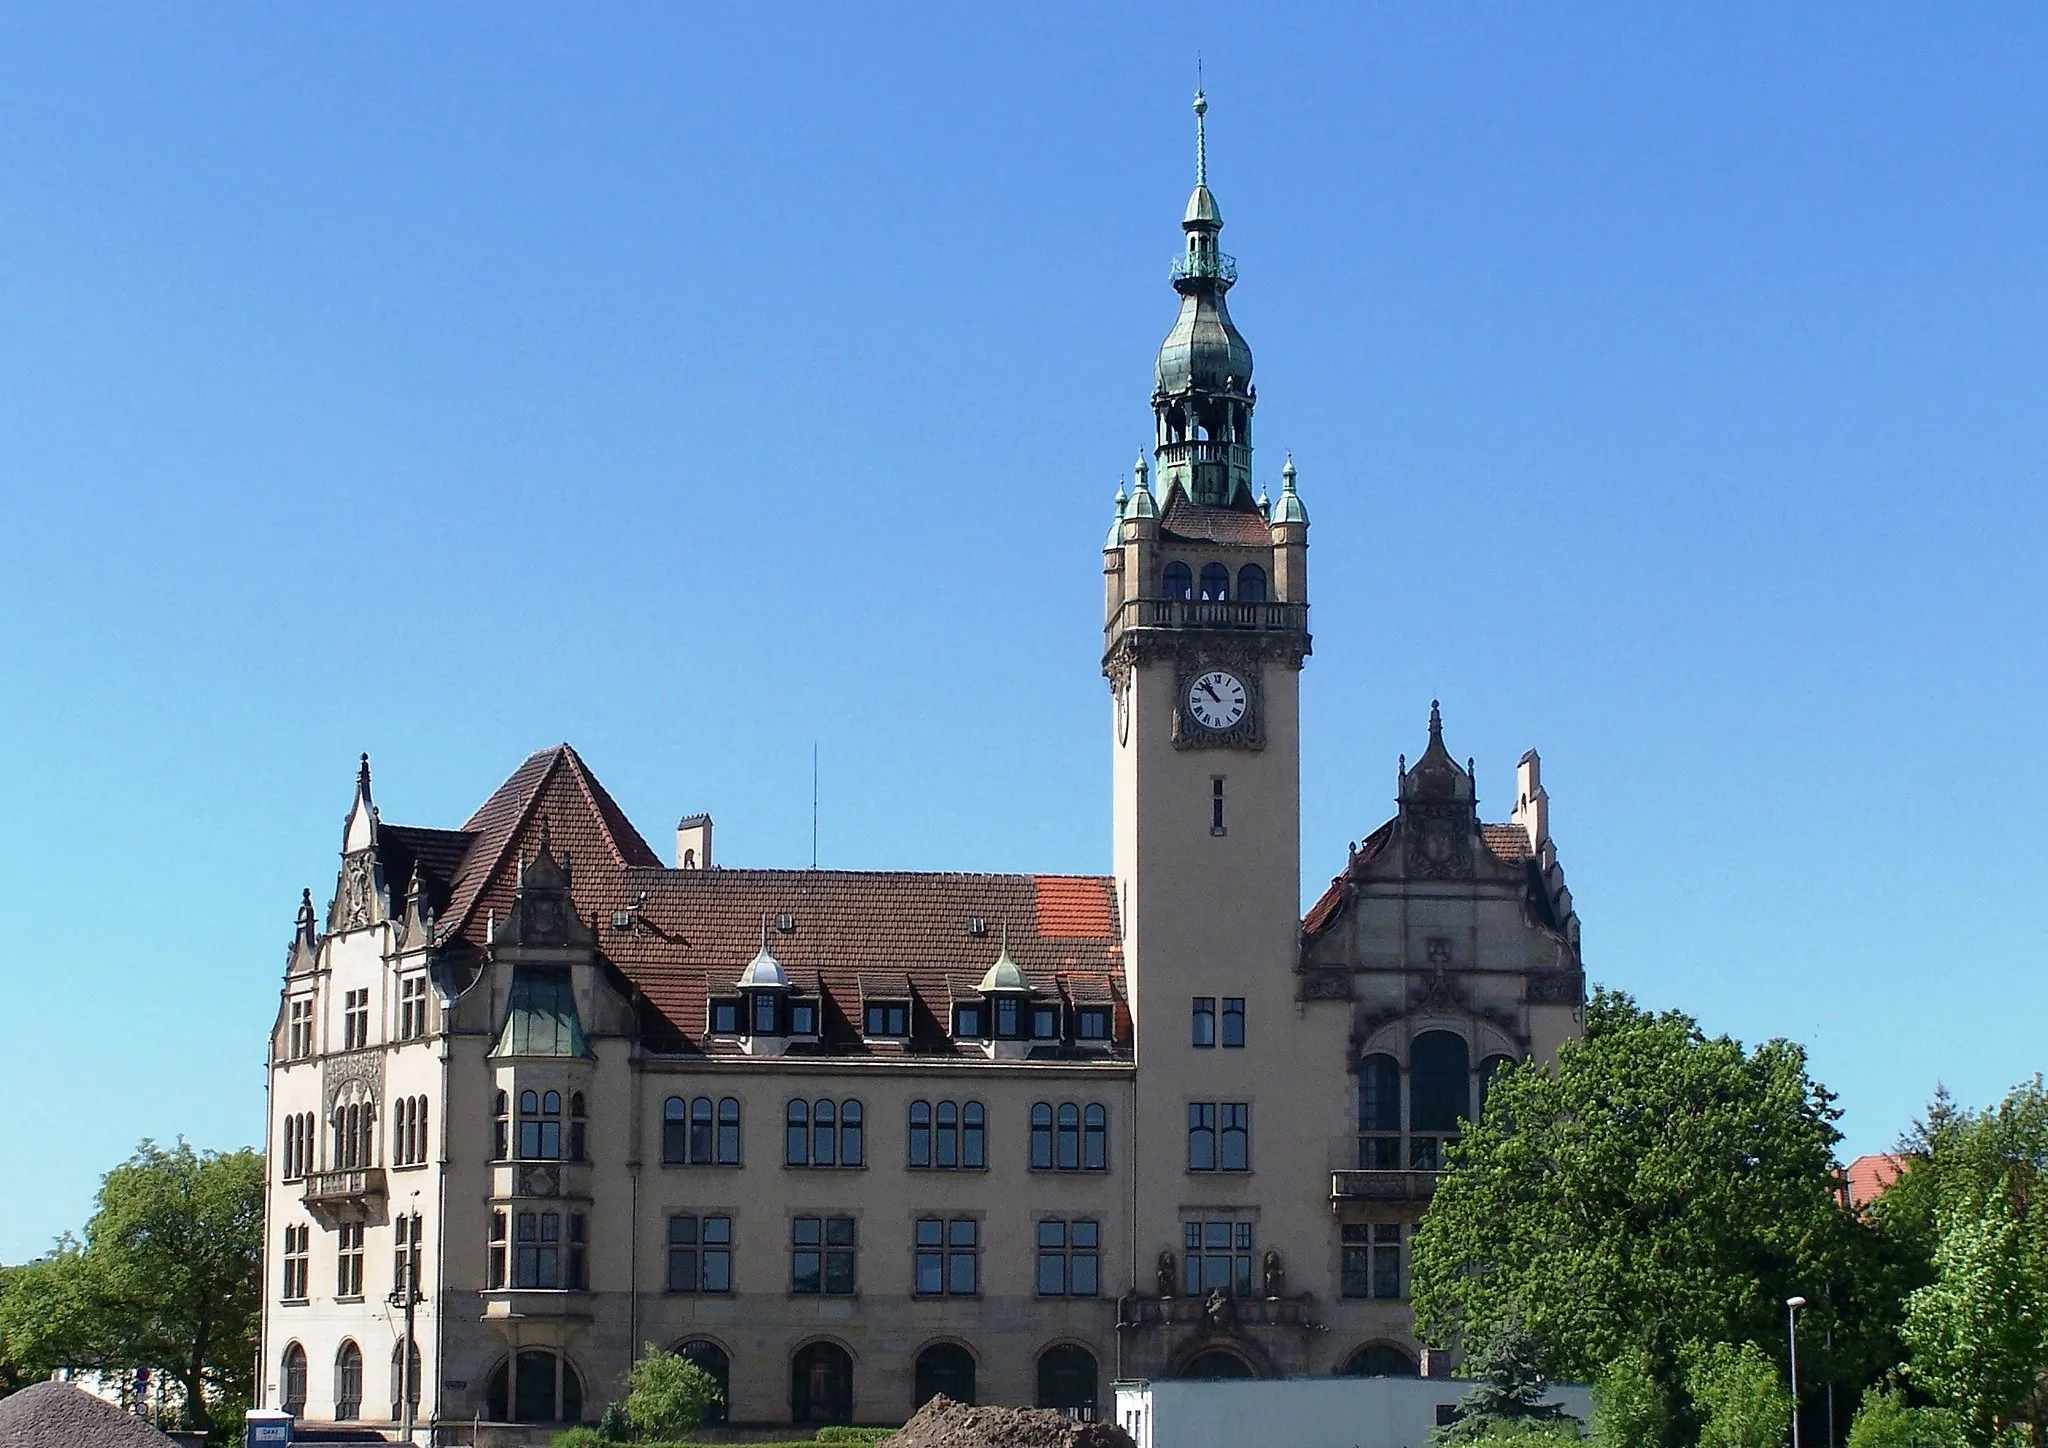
(1206, 628)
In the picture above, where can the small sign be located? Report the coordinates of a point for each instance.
(455, 1385)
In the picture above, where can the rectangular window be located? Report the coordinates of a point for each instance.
(1216, 805)
(1045, 1023)
(348, 1260)
(1219, 1254)
(412, 1008)
(497, 1269)
(1008, 1019)
(948, 1257)
(1205, 1020)
(300, 1042)
(967, 1021)
(821, 1255)
(355, 1020)
(1069, 1264)
(537, 1258)
(579, 1241)
(803, 1018)
(1091, 1023)
(725, 1018)
(1233, 1020)
(1372, 1260)
(298, 1248)
(407, 1233)
(764, 1013)
(699, 1254)
(888, 1018)
(1219, 1136)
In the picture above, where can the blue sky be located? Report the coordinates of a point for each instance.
(1667, 386)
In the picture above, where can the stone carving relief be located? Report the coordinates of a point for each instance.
(363, 1069)
(1439, 839)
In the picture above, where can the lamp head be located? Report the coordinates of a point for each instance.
(1795, 1303)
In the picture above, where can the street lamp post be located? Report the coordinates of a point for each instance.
(1792, 1306)
(406, 1295)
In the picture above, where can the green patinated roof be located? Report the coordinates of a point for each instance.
(540, 1017)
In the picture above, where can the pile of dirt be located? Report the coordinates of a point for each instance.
(56, 1415)
(943, 1423)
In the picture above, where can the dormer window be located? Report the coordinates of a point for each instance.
(765, 1012)
(762, 987)
(970, 1021)
(1009, 1017)
(725, 1017)
(1091, 1023)
(1045, 1023)
(803, 1017)
(888, 1018)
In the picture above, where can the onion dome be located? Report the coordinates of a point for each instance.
(1005, 974)
(1289, 509)
(763, 972)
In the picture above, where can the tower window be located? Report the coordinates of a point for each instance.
(1179, 581)
(1216, 806)
(1215, 583)
(1233, 1020)
(1205, 1020)
(1251, 584)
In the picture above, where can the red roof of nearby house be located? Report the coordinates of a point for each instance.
(1869, 1175)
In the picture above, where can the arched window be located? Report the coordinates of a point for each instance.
(1067, 1380)
(703, 1133)
(944, 1367)
(822, 1153)
(1251, 584)
(973, 1136)
(540, 1126)
(534, 1386)
(851, 1148)
(711, 1358)
(821, 1384)
(729, 1131)
(294, 1380)
(1378, 1360)
(1379, 1114)
(1439, 1096)
(1215, 583)
(1178, 581)
(1069, 1158)
(1216, 1363)
(1491, 1067)
(1095, 1138)
(405, 1379)
(920, 1133)
(348, 1381)
(675, 1131)
(1041, 1136)
(796, 1150)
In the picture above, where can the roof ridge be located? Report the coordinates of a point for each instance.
(609, 814)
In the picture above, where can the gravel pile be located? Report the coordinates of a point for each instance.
(943, 1423)
(57, 1415)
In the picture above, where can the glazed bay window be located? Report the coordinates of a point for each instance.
(1372, 1260)
(699, 1253)
(539, 1259)
(697, 1133)
(1219, 1136)
(540, 1126)
(948, 1257)
(948, 1135)
(1069, 1262)
(1219, 1254)
(348, 1260)
(1069, 1137)
(821, 1254)
(501, 1127)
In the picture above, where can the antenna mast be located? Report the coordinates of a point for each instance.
(814, 804)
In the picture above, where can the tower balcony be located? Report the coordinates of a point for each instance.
(352, 1195)
(1188, 613)
(1209, 469)
(1203, 264)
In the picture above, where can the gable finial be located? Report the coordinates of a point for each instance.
(1436, 723)
(1201, 129)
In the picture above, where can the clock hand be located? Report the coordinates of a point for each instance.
(1210, 689)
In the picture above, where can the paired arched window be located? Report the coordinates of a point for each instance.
(292, 1386)
(355, 1128)
(297, 1145)
(1439, 1100)
(1071, 1137)
(409, 1131)
(1215, 583)
(1251, 584)
(348, 1381)
(534, 1386)
(540, 1126)
(823, 1133)
(1178, 581)
(696, 1133)
(949, 1135)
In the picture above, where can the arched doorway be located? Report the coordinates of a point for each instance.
(1215, 1363)
(1378, 1360)
(1067, 1380)
(712, 1359)
(348, 1381)
(945, 1367)
(294, 1375)
(821, 1384)
(534, 1386)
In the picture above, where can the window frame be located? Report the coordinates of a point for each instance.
(709, 1245)
(1060, 1246)
(835, 1244)
(1202, 1028)
(1233, 1009)
(951, 1250)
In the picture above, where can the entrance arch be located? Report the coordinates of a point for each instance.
(821, 1384)
(945, 1367)
(1378, 1360)
(710, 1357)
(1217, 1363)
(1067, 1378)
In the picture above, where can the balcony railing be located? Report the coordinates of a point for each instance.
(1383, 1186)
(1197, 613)
(348, 1195)
(1217, 264)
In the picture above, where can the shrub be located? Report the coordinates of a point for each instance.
(577, 1438)
(1629, 1407)
(666, 1394)
(1886, 1421)
(1736, 1392)
(839, 1433)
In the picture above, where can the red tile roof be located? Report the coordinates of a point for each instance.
(1870, 1175)
(1198, 523)
(690, 933)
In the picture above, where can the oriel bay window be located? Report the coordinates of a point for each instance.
(948, 1135)
(821, 1255)
(697, 1133)
(541, 1252)
(948, 1257)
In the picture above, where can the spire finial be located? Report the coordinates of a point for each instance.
(1201, 129)
(1436, 723)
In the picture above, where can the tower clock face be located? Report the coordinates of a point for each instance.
(1217, 699)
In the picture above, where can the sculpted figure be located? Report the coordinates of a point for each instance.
(1166, 1276)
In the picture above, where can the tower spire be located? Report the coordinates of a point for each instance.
(1201, 131)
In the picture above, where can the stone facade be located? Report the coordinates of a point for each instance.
(851, 1138)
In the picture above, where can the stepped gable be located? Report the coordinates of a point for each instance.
(57, 1415)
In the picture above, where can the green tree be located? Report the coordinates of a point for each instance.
(1978, 1333)
(44, 1317)
(1886, 1420)
(1630, 1407)
(1510, 1395)
(667, 1394)
(1737, 1395)
(1655, 1188)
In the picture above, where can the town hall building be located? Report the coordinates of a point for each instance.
(848, 1139)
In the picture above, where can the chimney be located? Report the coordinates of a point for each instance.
(1532, 804)
(693, 842)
